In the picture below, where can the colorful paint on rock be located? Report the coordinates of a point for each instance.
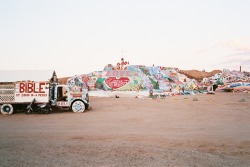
(116, 83)
(136, 77)
(125, 77)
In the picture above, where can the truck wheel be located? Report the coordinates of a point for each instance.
(78, 106)
(7, 109)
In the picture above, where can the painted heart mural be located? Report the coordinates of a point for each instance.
(117, 83)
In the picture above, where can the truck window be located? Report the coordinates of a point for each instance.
(61, 94)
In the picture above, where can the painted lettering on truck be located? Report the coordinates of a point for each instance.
(27, 91)
(31, 87)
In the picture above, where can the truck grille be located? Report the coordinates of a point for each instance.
(7, 93)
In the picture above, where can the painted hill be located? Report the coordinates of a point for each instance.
(126, 77)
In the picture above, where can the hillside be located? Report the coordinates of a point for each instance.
(63, 80)
(198, 75)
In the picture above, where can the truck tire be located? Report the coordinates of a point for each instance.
(78, 106)
(7, 109)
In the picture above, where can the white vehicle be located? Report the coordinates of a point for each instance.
(17, 95)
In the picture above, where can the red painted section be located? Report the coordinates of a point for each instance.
(76, 95)
(30, 87)
(116, 83)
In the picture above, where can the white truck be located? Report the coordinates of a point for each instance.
(17, 95)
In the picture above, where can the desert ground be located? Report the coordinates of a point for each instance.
(176, 131)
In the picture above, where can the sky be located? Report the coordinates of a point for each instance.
(81, 36)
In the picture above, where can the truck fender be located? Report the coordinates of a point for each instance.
(86, 104)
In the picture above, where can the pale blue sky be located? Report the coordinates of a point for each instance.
(81, 36)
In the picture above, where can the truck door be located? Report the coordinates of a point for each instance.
(62, 96)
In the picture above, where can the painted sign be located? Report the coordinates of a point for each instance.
(116, 83)
(120, 73)
(27, 91)
(63, 103)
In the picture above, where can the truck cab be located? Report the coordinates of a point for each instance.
(63, 97)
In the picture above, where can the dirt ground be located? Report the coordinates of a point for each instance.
(174, 131)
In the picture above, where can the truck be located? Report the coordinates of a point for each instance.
(18, 95)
